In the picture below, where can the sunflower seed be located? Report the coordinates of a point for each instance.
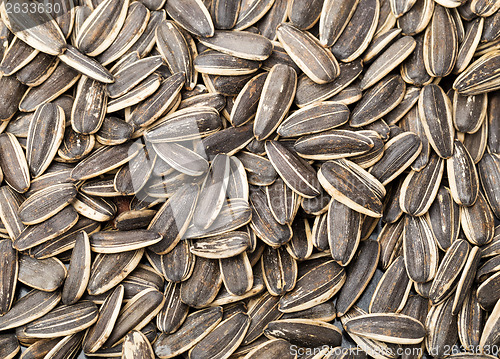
(435, 111)
(441, 327)
(13, 163)
(420, 249)
(462, 176)
(272, 109)
(110, 269)
(309, 291)
(335, 16)
(444, 218)
(183, 12)
(16, 56)
(358, 32)
(383, 327)
(279, 270)
(352, 186)
(293, 330)
(392, 290)
(419, 189)
(477, 222)
(102, 26)
(196, 327)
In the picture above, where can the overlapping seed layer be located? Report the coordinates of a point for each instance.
(214, 179)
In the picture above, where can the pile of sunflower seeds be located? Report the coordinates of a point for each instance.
(213, 179)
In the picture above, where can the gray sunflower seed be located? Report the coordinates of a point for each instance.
(46, 203)
(238, 181)
(296, 173)
(420, 249)
(380, 43)
(444, 218)
(313, 119)
(49, 229)
(390, 328)
(217, 63)
(399, 152)
(8, 274)
(196, 327)
(40, 348)
(133, 27)
(489, 171)
(370, 158)
(63, 78)
(181, 158)
(218, 345)
(116, 241)
(275, 16)
(352, 186)
(440, 46)
(476, 142)
(309, 92)
(304, 16)
(413, 68)
(419, 189)
(358, 275)
(283, 202)
(85, 65)
(193, 291)
(317, 333)
(378, 101)
(65, 241)
(300, 246)
(387, 61)
(102, 26)
(478, 222)
(13, 163)
(448, 271)
(344, 231)
(78, 271)
(183, 12)
(245, 104)
(178, 264)
(134, 315)
(333, 144)
(104, 160)
(74, 146)
(259, 169)
(236, 274)
(174, 312)
(435, 111)
(251, 11)
(234, 44)
(45, 134)
(262, 310)
(110, 269)
(316, 286)
(42, 274)
(275, 348)
(186, 124)
(370, 346)
(264, 224)
(28, 308)
(392, 211)
(234, 214)
(462, 176)
(137, 346)
(335, 16)
(95, 208)
(114, 131)
(11, 96)
(9, 212)
(469, 45)
(224, 13)
(9, 346)
(441, 327)
(274, 103)
(483, 8)
(392, 290)
(478, 77)
(16, 56)
(131, 75)
(42, 33)
(89, 107)
(279, 270)
(69, 345)
(488, 292)
(222, 246)
(358, 32)
(470, 319)
(212, 193)
(64, 320)
(466, 278)
(99, 333)
(317, 63)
